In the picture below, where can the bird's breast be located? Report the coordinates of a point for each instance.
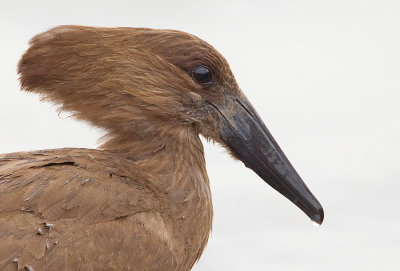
(190, 213)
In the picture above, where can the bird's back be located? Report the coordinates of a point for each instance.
(80, 209)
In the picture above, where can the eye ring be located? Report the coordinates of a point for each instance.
(202, 75)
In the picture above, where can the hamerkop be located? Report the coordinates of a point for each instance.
(142, 201)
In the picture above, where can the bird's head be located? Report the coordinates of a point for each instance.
(132, 80)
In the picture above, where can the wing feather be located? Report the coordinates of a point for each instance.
(79, 209)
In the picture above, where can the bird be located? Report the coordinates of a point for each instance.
(142, 200)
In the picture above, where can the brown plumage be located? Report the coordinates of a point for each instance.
(143, 201)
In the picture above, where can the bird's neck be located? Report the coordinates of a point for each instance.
(175, 160)
(172, 155)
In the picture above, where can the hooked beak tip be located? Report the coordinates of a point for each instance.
(318, 217)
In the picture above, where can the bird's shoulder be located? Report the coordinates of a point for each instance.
(93, 185)
(71, 208)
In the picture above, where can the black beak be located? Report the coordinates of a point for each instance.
(245, 134)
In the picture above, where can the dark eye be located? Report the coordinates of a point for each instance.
(202, 75)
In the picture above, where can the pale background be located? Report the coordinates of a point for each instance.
(324, 76)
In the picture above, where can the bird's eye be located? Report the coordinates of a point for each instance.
(202, 75)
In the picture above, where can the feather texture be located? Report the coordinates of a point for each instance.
(80, 209)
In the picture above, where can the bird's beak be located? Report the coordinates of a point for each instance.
(245, 134)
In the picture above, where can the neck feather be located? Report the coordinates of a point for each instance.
(176, 161)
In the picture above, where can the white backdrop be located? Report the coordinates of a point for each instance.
(324, 76)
